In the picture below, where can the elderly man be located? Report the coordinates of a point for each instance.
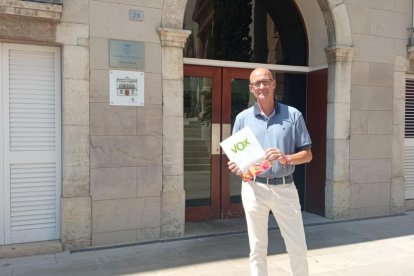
(281, 130)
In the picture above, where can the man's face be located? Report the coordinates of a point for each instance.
(262, 85)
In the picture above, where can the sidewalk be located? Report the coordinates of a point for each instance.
(376, 246)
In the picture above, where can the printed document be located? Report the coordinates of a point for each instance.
(243, 148)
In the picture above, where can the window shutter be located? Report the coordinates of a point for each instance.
(32, 143)
(409, 139)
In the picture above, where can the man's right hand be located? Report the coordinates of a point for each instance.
(234, 168)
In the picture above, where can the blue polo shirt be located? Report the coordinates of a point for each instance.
(284, 129)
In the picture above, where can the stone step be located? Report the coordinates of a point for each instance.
(198, 160)
(193, 126)
(201, 147)
(192, 130)
(197, 167)
(194, 121)
(192, 134)
(196, 154)
(196, 142)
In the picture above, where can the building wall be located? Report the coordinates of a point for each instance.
(51, 24)
(73, 36)
(379, 35)
(122, 167)
(125, 142)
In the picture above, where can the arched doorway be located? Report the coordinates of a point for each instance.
(260, 32)
(336, 43)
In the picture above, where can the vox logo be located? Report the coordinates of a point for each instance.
(240, 146)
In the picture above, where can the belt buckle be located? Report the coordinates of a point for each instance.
(275, 180)
(283, 179)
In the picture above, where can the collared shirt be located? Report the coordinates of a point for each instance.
(284, 129)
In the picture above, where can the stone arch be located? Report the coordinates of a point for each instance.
(173, 14)
(339, 55)
(335, 13)
(337, 22)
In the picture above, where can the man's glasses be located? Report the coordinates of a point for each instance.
(257, 84)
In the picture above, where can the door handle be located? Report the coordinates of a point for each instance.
(226, 130)
(215, 138)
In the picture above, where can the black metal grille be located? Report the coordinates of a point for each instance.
(57, 2)
(409, 108)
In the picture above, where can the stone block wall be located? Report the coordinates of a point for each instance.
(73, 36)
(122, 182)
(379, 33)
(49, 24)
(125, 142)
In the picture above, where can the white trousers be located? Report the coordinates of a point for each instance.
(283, 200)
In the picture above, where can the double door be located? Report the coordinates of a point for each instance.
(213, 96)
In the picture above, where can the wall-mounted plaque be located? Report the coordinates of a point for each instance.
(126, 54)
(126, 88)
(136, 15)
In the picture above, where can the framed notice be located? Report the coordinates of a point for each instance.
(126, 54)
(126, 88)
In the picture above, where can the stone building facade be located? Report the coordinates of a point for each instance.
(121, 167)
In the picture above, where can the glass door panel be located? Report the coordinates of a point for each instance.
(202, 101)
(213, 96)
(236, 98)
(197, 141)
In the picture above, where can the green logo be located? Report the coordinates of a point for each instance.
(240, 146)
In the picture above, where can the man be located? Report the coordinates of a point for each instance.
(281, 131)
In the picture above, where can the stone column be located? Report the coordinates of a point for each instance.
(76, 225)
(172, 195)
(398, 124)
(337, 189)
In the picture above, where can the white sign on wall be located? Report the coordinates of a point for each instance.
(126, 88)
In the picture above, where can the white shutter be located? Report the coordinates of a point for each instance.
(409, 139)
(31, 111)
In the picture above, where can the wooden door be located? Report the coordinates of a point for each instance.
(212, 98)
(316, 123)
(202, 116)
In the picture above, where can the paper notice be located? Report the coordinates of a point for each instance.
(243, 149)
